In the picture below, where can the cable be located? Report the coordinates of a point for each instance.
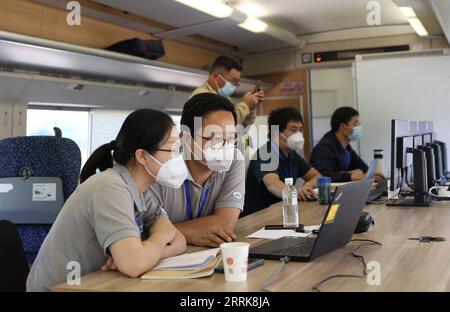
(407, 182)
(271, 278)
(437, 196)
(400, 192)
(354, 254)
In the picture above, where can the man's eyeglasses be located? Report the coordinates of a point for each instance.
(234, 82)
(218, 142)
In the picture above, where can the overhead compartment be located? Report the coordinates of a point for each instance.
(64, 74)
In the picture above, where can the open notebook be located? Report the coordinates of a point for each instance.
(188, 265)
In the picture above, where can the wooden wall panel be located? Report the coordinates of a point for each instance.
(37, 20)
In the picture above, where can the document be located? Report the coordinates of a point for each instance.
(275, 234)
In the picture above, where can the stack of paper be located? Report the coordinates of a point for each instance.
(275, 234)
(189, 265)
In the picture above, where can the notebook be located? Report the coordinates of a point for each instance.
(188, 265)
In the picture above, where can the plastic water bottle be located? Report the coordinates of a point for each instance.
(290, 204)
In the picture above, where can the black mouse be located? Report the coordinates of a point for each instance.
(364, 222)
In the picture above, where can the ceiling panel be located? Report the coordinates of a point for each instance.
(92, 95)
(165, 11)
(226, 30)
(301, 17)
(12, 86)
(310, 16)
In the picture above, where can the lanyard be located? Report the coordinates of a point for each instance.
(347, 158)
(287, 172)
(187, 192)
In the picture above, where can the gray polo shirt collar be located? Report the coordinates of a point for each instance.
(208, 182)
(138, 198)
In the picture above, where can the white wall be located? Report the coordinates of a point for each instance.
(409, 87)
(330, 88)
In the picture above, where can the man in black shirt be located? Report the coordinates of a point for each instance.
(333, 156)
(277, 160)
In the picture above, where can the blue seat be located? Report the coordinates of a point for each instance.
(43, 156)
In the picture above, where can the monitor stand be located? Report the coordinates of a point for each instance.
(409, 202)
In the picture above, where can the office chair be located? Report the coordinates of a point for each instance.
(40, 156)
(13, 263)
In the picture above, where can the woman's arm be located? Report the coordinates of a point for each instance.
(134, 257)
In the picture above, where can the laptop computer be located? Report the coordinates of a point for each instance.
(336, 231)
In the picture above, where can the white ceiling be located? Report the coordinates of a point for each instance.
(313, 16)
(300, 17)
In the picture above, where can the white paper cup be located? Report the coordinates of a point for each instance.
(235, 261)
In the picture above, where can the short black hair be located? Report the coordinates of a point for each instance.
(282, 116)
(342, 115)
(225, 62)
(201, 105)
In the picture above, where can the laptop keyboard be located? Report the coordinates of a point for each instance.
(298, 246)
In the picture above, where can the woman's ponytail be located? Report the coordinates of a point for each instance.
(101, 159)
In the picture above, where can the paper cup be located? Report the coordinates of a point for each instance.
(235, 260)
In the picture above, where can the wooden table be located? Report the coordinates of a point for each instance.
(405, 265)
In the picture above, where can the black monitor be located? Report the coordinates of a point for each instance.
(437, 160)
(427, 138)
(399, 130)
(431, 167)
(444, 155)
(418, 141)
(409, 165)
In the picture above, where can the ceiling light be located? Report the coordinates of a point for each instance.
(414, 21)
(212, 7)
(252, 9)
(254, 25)
(408, 11)
(418, 27)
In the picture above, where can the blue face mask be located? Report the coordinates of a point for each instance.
(356, 134)
(228, 89)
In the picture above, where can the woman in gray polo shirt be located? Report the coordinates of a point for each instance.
(106, 221)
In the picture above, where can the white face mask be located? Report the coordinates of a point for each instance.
(218, 159)
(296, 142)
(172, 173)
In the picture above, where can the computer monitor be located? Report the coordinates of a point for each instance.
(427, 138)
(418, 141)
(443, 146)
(400, 141)
(437, 160)
(431, 167)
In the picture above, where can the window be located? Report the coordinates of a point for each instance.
(74, 125)
(106, 124)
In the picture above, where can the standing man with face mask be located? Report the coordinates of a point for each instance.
(278, 159)
(224, 78)
(207, 205)
(333, 156)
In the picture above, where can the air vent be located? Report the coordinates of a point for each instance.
(345, 55)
